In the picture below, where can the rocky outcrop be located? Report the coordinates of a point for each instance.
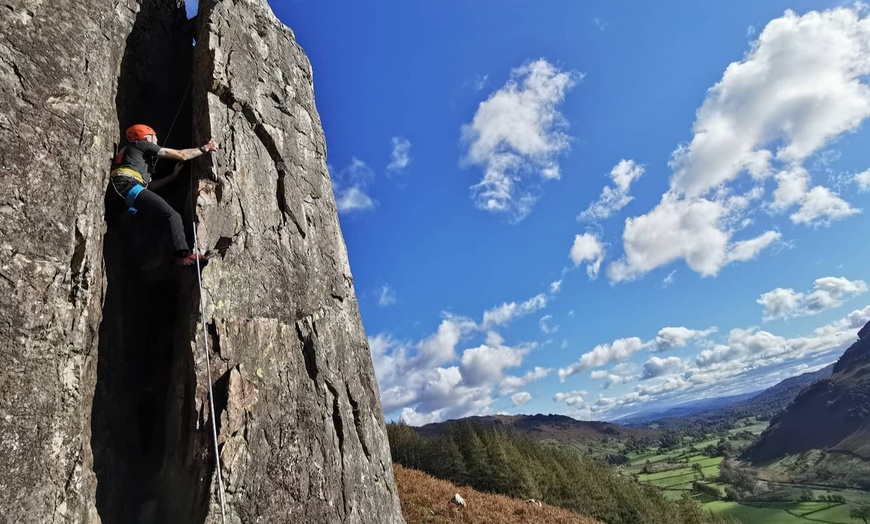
(303, 437)
(58, 122)
(104, 412)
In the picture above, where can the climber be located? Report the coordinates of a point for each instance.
(131, 176)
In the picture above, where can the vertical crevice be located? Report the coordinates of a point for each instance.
(357, 422)
(149, 457)
(338, 423)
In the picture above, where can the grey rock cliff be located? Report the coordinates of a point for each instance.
(104, 413)
(303, 432)
(58, 74)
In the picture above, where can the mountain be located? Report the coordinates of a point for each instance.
(553, 427)
(683, 410)
(763, 405)
(832, 414)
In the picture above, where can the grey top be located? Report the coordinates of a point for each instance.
(138, 156)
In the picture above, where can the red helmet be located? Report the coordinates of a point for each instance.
(139, 132)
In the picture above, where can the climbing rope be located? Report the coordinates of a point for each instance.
(205, 350)
(207, 361)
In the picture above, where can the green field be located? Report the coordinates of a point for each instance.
(768, 508)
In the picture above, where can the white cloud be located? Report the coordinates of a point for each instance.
(802, 84)
(547, 326)
(485, 365)
(678, 337)
(749, 360)
(516, 135)
(387, 296)
(587, 248)
(610, 378)
(555, 287)
(521, 398)
(440, 347)
(657, 367)
(821, 206)
(507, 312)
(799, 86)
(620, 349)
(401, 155)
(683, 229)
(511, 383)
(863, 180)
(792, 187)
(571, 398)
(349, 186)
(828, 293)
(614, 198)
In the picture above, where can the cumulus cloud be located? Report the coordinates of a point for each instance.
(610, 378)
(587, 248)
(516, 136)
(432, 380)
(350, 186)
(683, 229)
(484, 365)
(401, 155)
(511, 383)
(678, 337)
(821, 206)
(508, 311)
(387, 296)
(863, 180)
(620, 349)
(802, 84)
(657, 367)
(521, 398)
(799, 86)
(572, 398)
(614, 198)
(829, 292)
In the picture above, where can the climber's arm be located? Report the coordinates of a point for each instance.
(183, 155)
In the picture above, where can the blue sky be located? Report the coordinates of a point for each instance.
(595, 208)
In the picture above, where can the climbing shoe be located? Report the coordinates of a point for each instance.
(193, 258)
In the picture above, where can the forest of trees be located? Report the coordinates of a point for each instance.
(499, 461)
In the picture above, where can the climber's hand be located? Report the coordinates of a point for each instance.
(211, 145)
(177, 168)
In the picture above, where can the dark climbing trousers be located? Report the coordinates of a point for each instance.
(151, 206)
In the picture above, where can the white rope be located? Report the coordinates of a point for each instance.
(206, 352)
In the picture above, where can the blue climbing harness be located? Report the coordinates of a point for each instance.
(131, 198)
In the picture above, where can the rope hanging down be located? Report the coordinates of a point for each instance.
(206, 352)
(213, 414)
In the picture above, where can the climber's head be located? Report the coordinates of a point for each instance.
(141, 132)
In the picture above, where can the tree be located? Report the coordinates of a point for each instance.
(861, 512)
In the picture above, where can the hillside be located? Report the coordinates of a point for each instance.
(558, 428)
(763, 406)
(833, 413)
(426, 499)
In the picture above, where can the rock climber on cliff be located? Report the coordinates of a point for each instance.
(131, 186)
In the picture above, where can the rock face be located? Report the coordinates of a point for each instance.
(303, 432)
(58, 122)
(104, 411)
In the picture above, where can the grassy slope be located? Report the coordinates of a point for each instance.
(426, 499)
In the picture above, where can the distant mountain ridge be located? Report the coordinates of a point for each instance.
(763, 405)
(560, 428)
(833, 413)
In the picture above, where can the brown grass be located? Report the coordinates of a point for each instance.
(426, 500)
